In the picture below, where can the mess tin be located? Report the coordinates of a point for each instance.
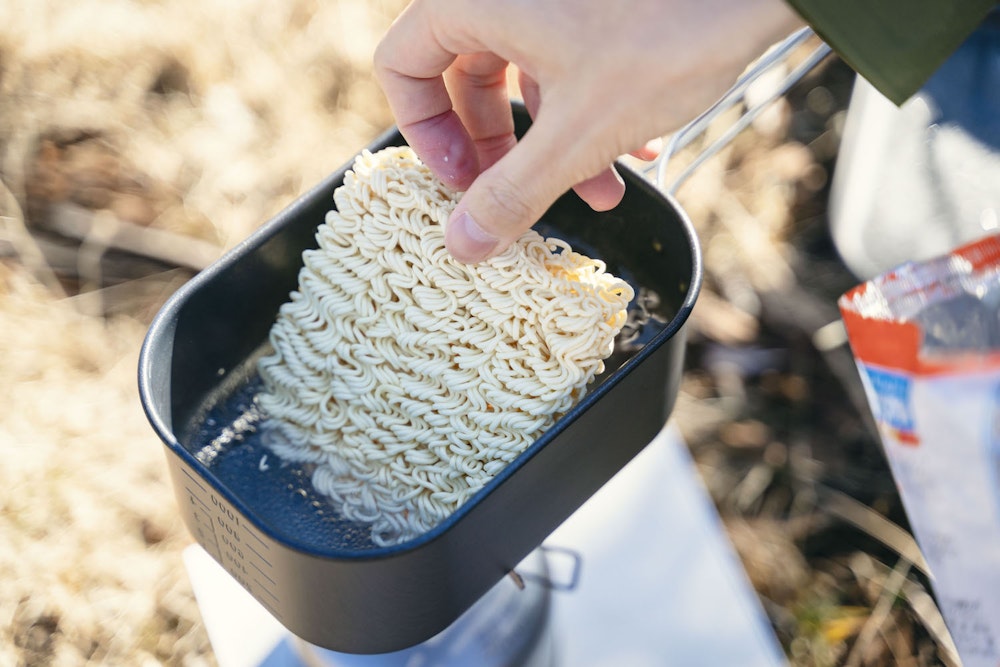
(259, 517)
(319, 574)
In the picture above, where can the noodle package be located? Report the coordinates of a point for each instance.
(407, 380)
(926, 337)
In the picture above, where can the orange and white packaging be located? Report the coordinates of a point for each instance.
(926, 338)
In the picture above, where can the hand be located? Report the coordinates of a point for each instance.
(600, 78)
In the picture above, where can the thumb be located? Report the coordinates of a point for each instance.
(508, 198)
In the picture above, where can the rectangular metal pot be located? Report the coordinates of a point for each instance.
(383, 599)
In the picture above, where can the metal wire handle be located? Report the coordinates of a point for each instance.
(774, 56)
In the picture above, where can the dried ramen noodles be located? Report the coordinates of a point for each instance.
(407, 379)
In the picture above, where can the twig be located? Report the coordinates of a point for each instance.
(868, 520)
(88, 260)
(753, 486)
(15, 231)
(890, 591)
(927, 611)
(78, 223)
(721, 321)
(922, 605)
(148, 291)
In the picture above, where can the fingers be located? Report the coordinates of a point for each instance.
(478, 86)
(450, 103)
(513, 194)
(507, 199)
(409, 64)
(530, 93)
(649, 151)
(602, 192)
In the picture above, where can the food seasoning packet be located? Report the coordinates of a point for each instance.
(926, 338)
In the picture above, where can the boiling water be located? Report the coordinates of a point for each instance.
(226, 437)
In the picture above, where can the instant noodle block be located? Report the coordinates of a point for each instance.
(406, 380)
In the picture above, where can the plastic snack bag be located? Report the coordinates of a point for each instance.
(926, 337)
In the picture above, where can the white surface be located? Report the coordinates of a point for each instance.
(659, 585)
(908, 185)
(242, 632)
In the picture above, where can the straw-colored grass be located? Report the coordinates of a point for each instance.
(202, 117)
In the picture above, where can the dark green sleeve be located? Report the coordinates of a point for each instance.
(894, 44)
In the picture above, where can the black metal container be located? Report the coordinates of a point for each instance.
(261, 521)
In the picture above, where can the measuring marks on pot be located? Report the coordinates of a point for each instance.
(224, 533)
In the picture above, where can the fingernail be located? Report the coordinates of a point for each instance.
(467, 241)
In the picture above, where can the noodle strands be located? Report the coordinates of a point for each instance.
(407, 380)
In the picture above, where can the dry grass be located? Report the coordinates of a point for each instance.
(90, 533)
(198, 117)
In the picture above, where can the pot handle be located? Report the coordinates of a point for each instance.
(775, 55)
